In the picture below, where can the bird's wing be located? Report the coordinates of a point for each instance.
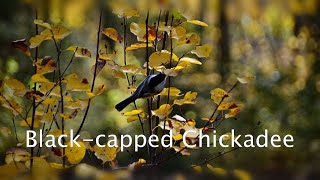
(143, 87)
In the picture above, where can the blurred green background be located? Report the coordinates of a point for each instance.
(278, 41)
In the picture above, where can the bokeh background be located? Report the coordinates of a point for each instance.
(278, 41)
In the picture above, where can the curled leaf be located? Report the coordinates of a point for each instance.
(202, 51)
(22, 46)
(197, 22)
(163, 111)
(112, 34)
(189, 98)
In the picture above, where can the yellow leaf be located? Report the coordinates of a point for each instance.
(122, 10)
(202, 51)
(178, 32)
(160, 58)
(133, 68)
(190, 60)
(246, 80)
(39, 78)
(137, 164)
(112, 34)
(29, 120)
(97, 92)
(69, 116)
(163, 111)
(5, 131)
(46, 65)
(197, 169)
(56, 132)
(133, 112)
(50, 86)
(75, 154)
(106, 154)
(47, 117)
(217, 171)
(232, 113)
(58, 31)
(129, 12)
(197, 22)
(81, 52)
(75, 84)
(106, 57)
(118, 74)
(16, 155)
(177, 137)
(190, 39)
(42, 23)
(218, 94)
(173, 92)
(12, 105)
(140, 31)
(49, 101)
(225, 106)
(241, 174)
(189, 98)
(138, 46)
(78, 104)
(18, 88)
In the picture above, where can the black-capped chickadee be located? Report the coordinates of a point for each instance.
(149, 87)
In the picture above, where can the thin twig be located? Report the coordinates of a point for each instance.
(34, 90)
(94, 74)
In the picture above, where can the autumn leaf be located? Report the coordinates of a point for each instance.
(137, 164)
(106, 57)
(138, 46)
(22, 46)
(225, 106)
(189, 98)
(160, 58)
(17, 87)
(75, 84)
(112, 34)
(74, 153)
(80, 51)
(173, 92)
(178, 32)
(97, 92)
(12, 105)
(217, 171)
(197, 169)
(36, 122)
(39, 78)
(17, 155)
(134, 115)
(133, 69)
(197, 22)
(106, 154)
(190, 39)
(218, 94)
(190, 60)
(59, 33)
(118, 74)
(246, 79)
(241, 174)
(202, 51)
(78, 104)
(232, 113)
(42, 23)
(46, 65)
(163, 111)
(140, 31)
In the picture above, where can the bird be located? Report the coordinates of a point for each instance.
(150, 86)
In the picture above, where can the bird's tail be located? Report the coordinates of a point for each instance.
(120, 106)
